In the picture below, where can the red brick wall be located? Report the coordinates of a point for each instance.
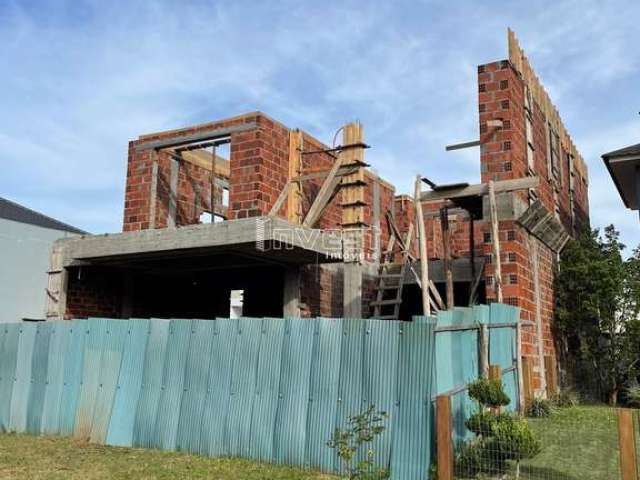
(94, 292)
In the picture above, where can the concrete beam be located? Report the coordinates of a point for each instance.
(178, 141)
(258, 233)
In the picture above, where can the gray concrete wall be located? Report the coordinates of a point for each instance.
(24, 261)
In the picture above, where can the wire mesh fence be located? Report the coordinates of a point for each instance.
(575, 443)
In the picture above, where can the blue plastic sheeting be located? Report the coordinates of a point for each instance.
(269, 389)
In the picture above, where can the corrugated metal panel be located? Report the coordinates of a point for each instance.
(168, 416)
(350, 389)
(323, 393)
(411, 452)
(144, 426)
(39, 367)
(268, 389)
(243, 387)
(110, 361)
(73, 367)
(265, 402)
(22, 381)
(94, 345)
(58, 344)
(380, 379)
(128, 390)
(195, 386)
(216, 405)
(8, 359)
(291, 419)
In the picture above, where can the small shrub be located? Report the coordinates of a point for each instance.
(566, 398)
(633, 395)
(489, 392)
(539, 408)
(361, 430)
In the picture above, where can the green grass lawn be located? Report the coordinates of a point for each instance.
(24, 456)
(579, 443)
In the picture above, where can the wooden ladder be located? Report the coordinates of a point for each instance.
(391, 280)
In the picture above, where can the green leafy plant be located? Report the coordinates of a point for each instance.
(489, 392)
(360, 432)
(566, 398)
(539, 408)
(499, 437)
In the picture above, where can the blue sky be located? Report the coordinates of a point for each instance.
(81, 78)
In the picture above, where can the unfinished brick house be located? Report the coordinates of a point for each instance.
(306, 229)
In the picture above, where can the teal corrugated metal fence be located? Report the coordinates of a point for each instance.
(268, 389)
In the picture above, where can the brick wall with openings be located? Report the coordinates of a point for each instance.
(503, 95)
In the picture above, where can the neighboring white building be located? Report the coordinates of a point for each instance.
(25, 240)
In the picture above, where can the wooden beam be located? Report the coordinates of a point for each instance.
(460, 146)
(495, 241)
(424, 261)
(173, 193)
(481, 189)
(527, 381)
(484, 350)
(153, 197)
(294, 206)
(446, 247)
(519, 368)
(202, 159)
(275, 208)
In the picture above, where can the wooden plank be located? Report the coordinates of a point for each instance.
(527, 380)
(519, 368)
(444, 442)
(495, 372)
(422, 236)
(325, 193)
(459, 146)
(446, 248)
(627, 443)
(495, 241)
(275, 208)
(480, 189)
(202, 159)
(173, 193)
(153, 197)
(294, 206)
(484, 351)
(551, 371)
(535, 260)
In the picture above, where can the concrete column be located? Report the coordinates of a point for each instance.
(291, 293)
(352, 294)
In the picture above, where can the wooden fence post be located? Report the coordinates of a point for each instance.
(444, 445)
(495, 373)
(527, 380)
(627, 442)
(551, 372)
(484, 350)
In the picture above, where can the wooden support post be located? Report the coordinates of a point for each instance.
(535, 260)
(527, 380)
(173, 193)
(495, 240)
(627, 442)
(294, 208)
(472, 259)
(446, 248)
(551, 372)
(424, 260)
(518, 349)
(484, 350)
(212, 199)
(444, 445)
(154, 189)
(495, 372)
